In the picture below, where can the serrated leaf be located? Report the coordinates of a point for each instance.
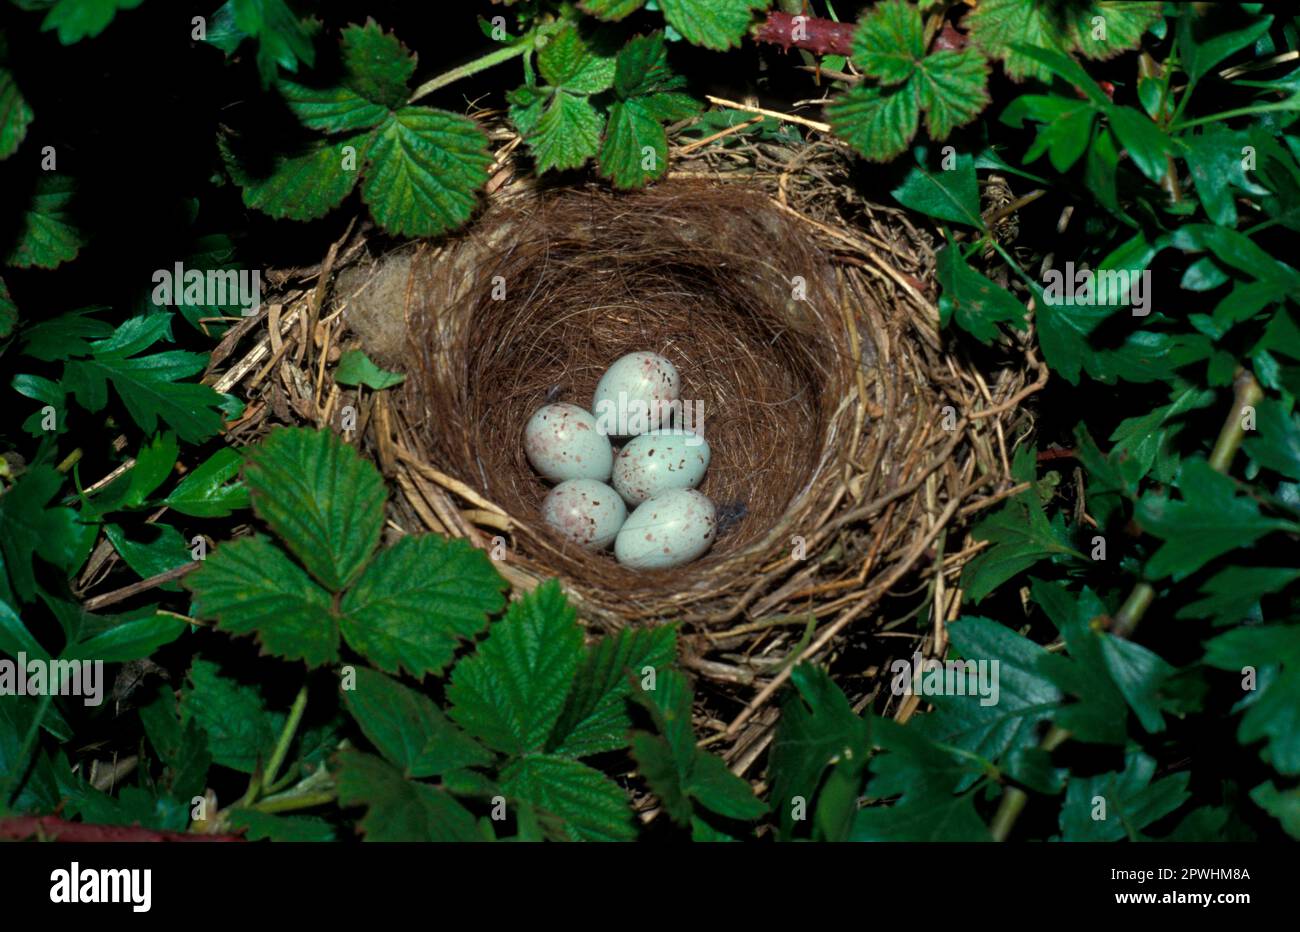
(15, 114)
(64, 336)
(241, 731)
(976, 303)
(1230, 597)
(321, 498)
(304, 183)
(595, 717)
(818, 729)
(592, 807)
(658, 766)
(424, 171)
(714, 24)
(335, 109)
(47, 235)
(282, 39)
(378, 65)
(719, 790)
(1275, 443)
(987, 725)
(1210, 520)
(1204, 39)
(611, 9)
(953, 89)
(80, 19)
(31, 527)
(569, 61)
(879, 125)
(212, 489)
(417, 600)
(1273, 713)
(356, 368)
(567, 133)
(635, 148)
(889, 41)
(1283, 805)
(408, 729)
(641, 68)
(250, 587)
(262, 826)
(1132, 801)
(1021, 534)
(511, 692)
(398, 809)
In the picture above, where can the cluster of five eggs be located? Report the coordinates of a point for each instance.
(655, 473)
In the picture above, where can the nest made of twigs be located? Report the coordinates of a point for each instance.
(799, 313)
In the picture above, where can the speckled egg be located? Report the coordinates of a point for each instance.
(562, 442)
(585, 511)
(658, 462)
(669, 530)
(635, 395)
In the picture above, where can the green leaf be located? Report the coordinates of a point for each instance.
(1130, 799)
(282, 39)
(208, 491)
(511, 692)
(567, 133)
(635, 148)
(250, 587)
(1209, 521)
(147, 385)
(1204, 40)
(818, 729)
(977, 304)
(1283, 805)
(14, 636)
(1275, 444)
(425, 167)
(321, 498)
(130, 640)
(64, 336)
(262, 826)
(1214, 160)
(641, 68)
(408, 729)
(990, 725)
(658, 766)
(878, 124)
(356, 368)
(1233, 595)
(568, 61)
(714, 24)
(719, 790)
(47, 235)
(951, 194)
(1273, 712)
(417, 599)
(1140, 675)
(336, 109)
(595, 717)
(30, 527)
(398, 809)
(954, 90)
(8, 311)
(304, 183)
(611, 9)
(164, 550)
(15, 114)
(378, 65)
(1021, 536)
(80, 19)
(241, 731)
(889, 41)
(592, 807)
(1143, 140)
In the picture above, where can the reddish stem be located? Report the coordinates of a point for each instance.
(53, 828)
(822, 36)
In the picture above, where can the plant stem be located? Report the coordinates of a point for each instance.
(522, 46)
(286, 736)
(301, 801)
(1246, 393)
(23, 768)
(1131, 612)
(1288, 104)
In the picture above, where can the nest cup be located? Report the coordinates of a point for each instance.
(565, 283)
(845, 436)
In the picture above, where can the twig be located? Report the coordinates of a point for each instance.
(776, 114)
(144, 585)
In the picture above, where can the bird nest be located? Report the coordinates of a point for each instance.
(850, 440)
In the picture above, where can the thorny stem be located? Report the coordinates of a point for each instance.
(1246, 392)
(521, 46)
